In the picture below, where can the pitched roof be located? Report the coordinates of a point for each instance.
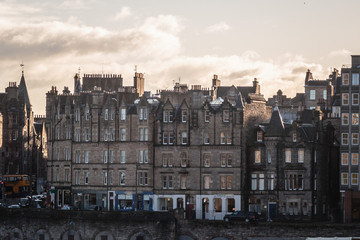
(276, 126)
(23, 93)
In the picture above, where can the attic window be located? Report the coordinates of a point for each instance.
(207, 116)
(294, 137)
(167, 116)
(259, 136)
(184, 116)
(226, 116)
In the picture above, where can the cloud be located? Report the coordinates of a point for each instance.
(340, 53)
(157, 37)
(218, 27)
(124, 13)
(52, 51)
(73, 5)
(12, 9)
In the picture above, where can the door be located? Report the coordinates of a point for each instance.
(272, 210)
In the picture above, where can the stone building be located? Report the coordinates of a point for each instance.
(199, 147)
(100, 145)
(290, 167)
(20, 149)
(349, 149)
(109, 147)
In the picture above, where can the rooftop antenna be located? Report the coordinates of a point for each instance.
(135, 69)
(79, 71)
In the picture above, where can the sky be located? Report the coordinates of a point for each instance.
(275, 41)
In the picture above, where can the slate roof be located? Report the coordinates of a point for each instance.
(276, 126)
(23, 93)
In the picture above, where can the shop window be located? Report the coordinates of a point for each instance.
(125, 201)
(230, 204)
(217, 204)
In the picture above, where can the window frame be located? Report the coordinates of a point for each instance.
(344, 159)
(345, 99)
(345, 79)
(312, 94)
(226, 115)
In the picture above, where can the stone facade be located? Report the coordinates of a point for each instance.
(289, 168)
(22, 143)
(118, 151)
(349, 149)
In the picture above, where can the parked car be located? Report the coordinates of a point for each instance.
(241, 216)
(24, 202)
(14, 206)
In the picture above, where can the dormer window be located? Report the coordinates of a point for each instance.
(259, 136)
(294, 137)
(143, 114)
(226, 116)
(167, 116)
(184, 116)
(207, 116)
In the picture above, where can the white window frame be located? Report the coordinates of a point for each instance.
(123, 114)
(354, 179)
(288, 155)
(355, 159)
(222, 138)
(86, 178)
(345, 138)
(312, 94)
(206, 139)
(345, 119)
(355, 99)
(106, 114)
(122, 178)
(183, 182)
(86, 156)
(77, 177)
(301, 155)
(345, 79)
(122, 156)
(184, 115)
(344, 159)
(105, 156)
(355, 79)
(122, 134)
(226, 115)
(184, 138)
(207, 180)
(354, 138)
(207, 116)
(345, 99)
(257, 156)
(355, 119)
(259, 136)
(344, 178)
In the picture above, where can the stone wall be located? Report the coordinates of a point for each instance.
(208, 230)
(83, 225)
